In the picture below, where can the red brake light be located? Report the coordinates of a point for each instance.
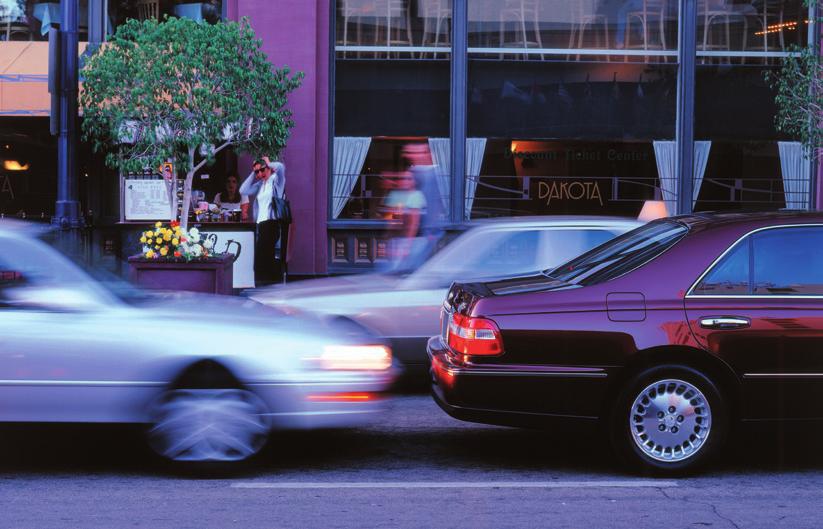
(474, 336)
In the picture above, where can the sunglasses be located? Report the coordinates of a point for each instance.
(261, 170)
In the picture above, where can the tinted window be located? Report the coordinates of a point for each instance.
(621, 255)
(788, 261)
(730, 276)
(564, 245)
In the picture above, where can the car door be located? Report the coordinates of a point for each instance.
(64, 350)
(760, 308)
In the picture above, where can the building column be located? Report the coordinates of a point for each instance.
(684, 135)
(67, 209)
(457, 115)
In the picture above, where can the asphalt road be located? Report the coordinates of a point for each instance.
(416, 467)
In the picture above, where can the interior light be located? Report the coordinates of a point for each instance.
(14, 165)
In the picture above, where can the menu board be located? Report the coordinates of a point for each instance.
(146, 199)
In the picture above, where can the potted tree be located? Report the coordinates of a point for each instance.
(181, 91)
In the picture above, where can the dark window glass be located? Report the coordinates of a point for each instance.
(621, 255)
(788, 261)
(730, 276)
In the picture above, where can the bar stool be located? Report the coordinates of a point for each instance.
(348, 11)
(390, 11)
(519, 12)
(645, 17)
(436, 23)
(583, 17)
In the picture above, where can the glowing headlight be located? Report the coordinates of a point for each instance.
(356, 357)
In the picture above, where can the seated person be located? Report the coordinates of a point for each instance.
(231, 199)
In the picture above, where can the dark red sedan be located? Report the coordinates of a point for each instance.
(667, 335)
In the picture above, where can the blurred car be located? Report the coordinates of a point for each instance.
(664, 336)
(405, 308)
(210, 376)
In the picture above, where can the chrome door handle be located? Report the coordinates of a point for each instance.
(725, 322)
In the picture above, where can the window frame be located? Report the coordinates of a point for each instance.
(746, 239)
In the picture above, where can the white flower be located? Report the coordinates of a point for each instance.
(194, 235)
(196, 250)
(208, 244)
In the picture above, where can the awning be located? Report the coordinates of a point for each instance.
(24, 77)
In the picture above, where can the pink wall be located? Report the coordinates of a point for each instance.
(296, 33)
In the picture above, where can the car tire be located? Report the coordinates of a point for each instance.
(208, 429)
(669, 420)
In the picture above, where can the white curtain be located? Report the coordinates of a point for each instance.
(475, 148)
(797, 174)
(665, 153)
(441, 157)
(349, 156)
(666, 157)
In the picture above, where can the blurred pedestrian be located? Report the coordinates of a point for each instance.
(418, 206)
(266, 181)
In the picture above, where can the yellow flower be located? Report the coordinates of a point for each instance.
(175, 241)
(156, 246)
(164, 251)
(150, 254)
(167, 237)
(157, 225)
(143, 239)
(159, 240)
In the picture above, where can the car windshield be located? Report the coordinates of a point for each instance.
(620, 255)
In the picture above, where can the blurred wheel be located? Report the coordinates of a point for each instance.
(208, 425)
(669, 419)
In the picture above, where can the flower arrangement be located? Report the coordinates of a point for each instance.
(173, 242)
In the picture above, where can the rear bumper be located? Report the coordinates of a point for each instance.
(526, 396)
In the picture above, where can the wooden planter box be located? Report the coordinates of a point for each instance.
(212, 276)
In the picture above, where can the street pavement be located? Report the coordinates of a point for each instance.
(415, 467)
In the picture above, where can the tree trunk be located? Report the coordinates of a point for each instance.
(184, 212)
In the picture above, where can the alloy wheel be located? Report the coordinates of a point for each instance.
(201, 425)
(670, 420)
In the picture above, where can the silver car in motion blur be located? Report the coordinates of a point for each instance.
(210, 376)
(405, 309)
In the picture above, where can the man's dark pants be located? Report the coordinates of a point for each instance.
(266, 266)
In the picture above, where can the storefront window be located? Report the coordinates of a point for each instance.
(28, 168)
(742, 162)
(391, 89)
(565, 100)
(574, 30)
(393, 28)
(27, 20)
(121, 10)
(749, 31)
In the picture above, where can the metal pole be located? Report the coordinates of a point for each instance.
(67, 208)
(687, 61)
(457, 121)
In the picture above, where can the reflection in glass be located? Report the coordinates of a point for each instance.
(610, 30)
(393, 28)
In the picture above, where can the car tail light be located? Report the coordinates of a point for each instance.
(474, 336)
(356, 357)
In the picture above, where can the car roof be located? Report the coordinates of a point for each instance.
(555, 220)
(706, 220)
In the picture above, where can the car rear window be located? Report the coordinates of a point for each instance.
(620, 255)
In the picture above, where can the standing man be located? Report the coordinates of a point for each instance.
(267, 180)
